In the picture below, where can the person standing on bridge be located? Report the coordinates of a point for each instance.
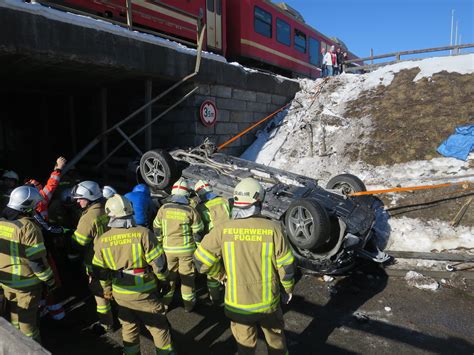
(129, 261)
(213, 210)
(254, 251)
(177, 225)
(92, 224)
(23, 263)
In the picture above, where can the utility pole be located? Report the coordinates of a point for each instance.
(456, 38)
(452, 27)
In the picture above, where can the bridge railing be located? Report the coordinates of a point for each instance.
(368, 67)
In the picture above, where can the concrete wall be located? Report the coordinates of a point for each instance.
(237, 110)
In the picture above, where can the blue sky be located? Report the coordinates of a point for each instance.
(388, 25)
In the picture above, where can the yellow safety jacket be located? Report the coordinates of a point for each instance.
(20, 241)
(257, 260)
(134, 257)
(176, 224)
(213, 212)
(93, 223)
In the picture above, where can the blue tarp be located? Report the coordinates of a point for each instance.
(459, 144)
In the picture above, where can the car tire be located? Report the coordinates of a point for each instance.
(158, 169)
(307, 224)
(347, 183)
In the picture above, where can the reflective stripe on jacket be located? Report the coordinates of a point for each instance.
(213, 212)
(47, 192)
(21, 241)
(177, 225)
(257, 261)
(92, 224)
(132, 248)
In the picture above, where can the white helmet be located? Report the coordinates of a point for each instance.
(118, 206)
(247, 192)
(10, 174)
(88, 190)
(202, 187)
(108, 191)
(180, 188)
(24, 198)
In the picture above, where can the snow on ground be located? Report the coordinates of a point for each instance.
(317, 122)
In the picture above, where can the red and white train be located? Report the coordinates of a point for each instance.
(255, 32)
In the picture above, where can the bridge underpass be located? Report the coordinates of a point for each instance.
(63, 84)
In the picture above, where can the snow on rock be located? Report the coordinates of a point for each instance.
(312, 137)
(415, 279)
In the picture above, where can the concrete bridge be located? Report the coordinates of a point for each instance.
(66, 78)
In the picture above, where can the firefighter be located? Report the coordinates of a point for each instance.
(48, 190)
(213, 210)
(23, 263)
(258, 261)
(9, 181)
(127, 259)
(177, 226)
(108, 191)
(93, 223)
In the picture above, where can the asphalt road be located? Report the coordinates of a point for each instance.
(363, 313)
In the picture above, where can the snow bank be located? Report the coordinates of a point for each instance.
(294, 139)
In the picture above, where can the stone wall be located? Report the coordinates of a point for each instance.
(237, 110)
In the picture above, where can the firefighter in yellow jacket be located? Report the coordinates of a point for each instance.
(213, 210)
(177, 225)
(128, 260)
(92, 224)
(258, 262)
(23, 263)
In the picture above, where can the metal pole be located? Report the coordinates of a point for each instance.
(72, 125)
(128, 4)
(456, 36)
(148, 93)
(103, 116)
(371, 56)
(144, 127)
(452, 27)
(460, 42)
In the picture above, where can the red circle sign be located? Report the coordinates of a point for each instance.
(208, 113)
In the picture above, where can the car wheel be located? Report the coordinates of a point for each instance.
(158, 168)
(346, 183)
(307, 224)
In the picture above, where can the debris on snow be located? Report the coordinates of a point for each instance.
(328, 278)
(415, 279)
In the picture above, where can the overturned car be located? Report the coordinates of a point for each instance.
(327, 227)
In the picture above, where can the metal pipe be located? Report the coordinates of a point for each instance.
(144, 127)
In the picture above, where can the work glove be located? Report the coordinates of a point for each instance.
(108, 294)
(60, 163)
(286, 297)
(163, 288)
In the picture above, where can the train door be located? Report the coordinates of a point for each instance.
(214, 24)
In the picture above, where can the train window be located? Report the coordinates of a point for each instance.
(300, 41)
(283, 32)
(219, 7)
(314, 51)
(210, 5)
(263, 22)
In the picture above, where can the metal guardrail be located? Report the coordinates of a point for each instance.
(398, 56)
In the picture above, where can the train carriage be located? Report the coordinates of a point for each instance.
(259, 33)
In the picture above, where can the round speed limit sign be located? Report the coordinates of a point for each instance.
(208, 113)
